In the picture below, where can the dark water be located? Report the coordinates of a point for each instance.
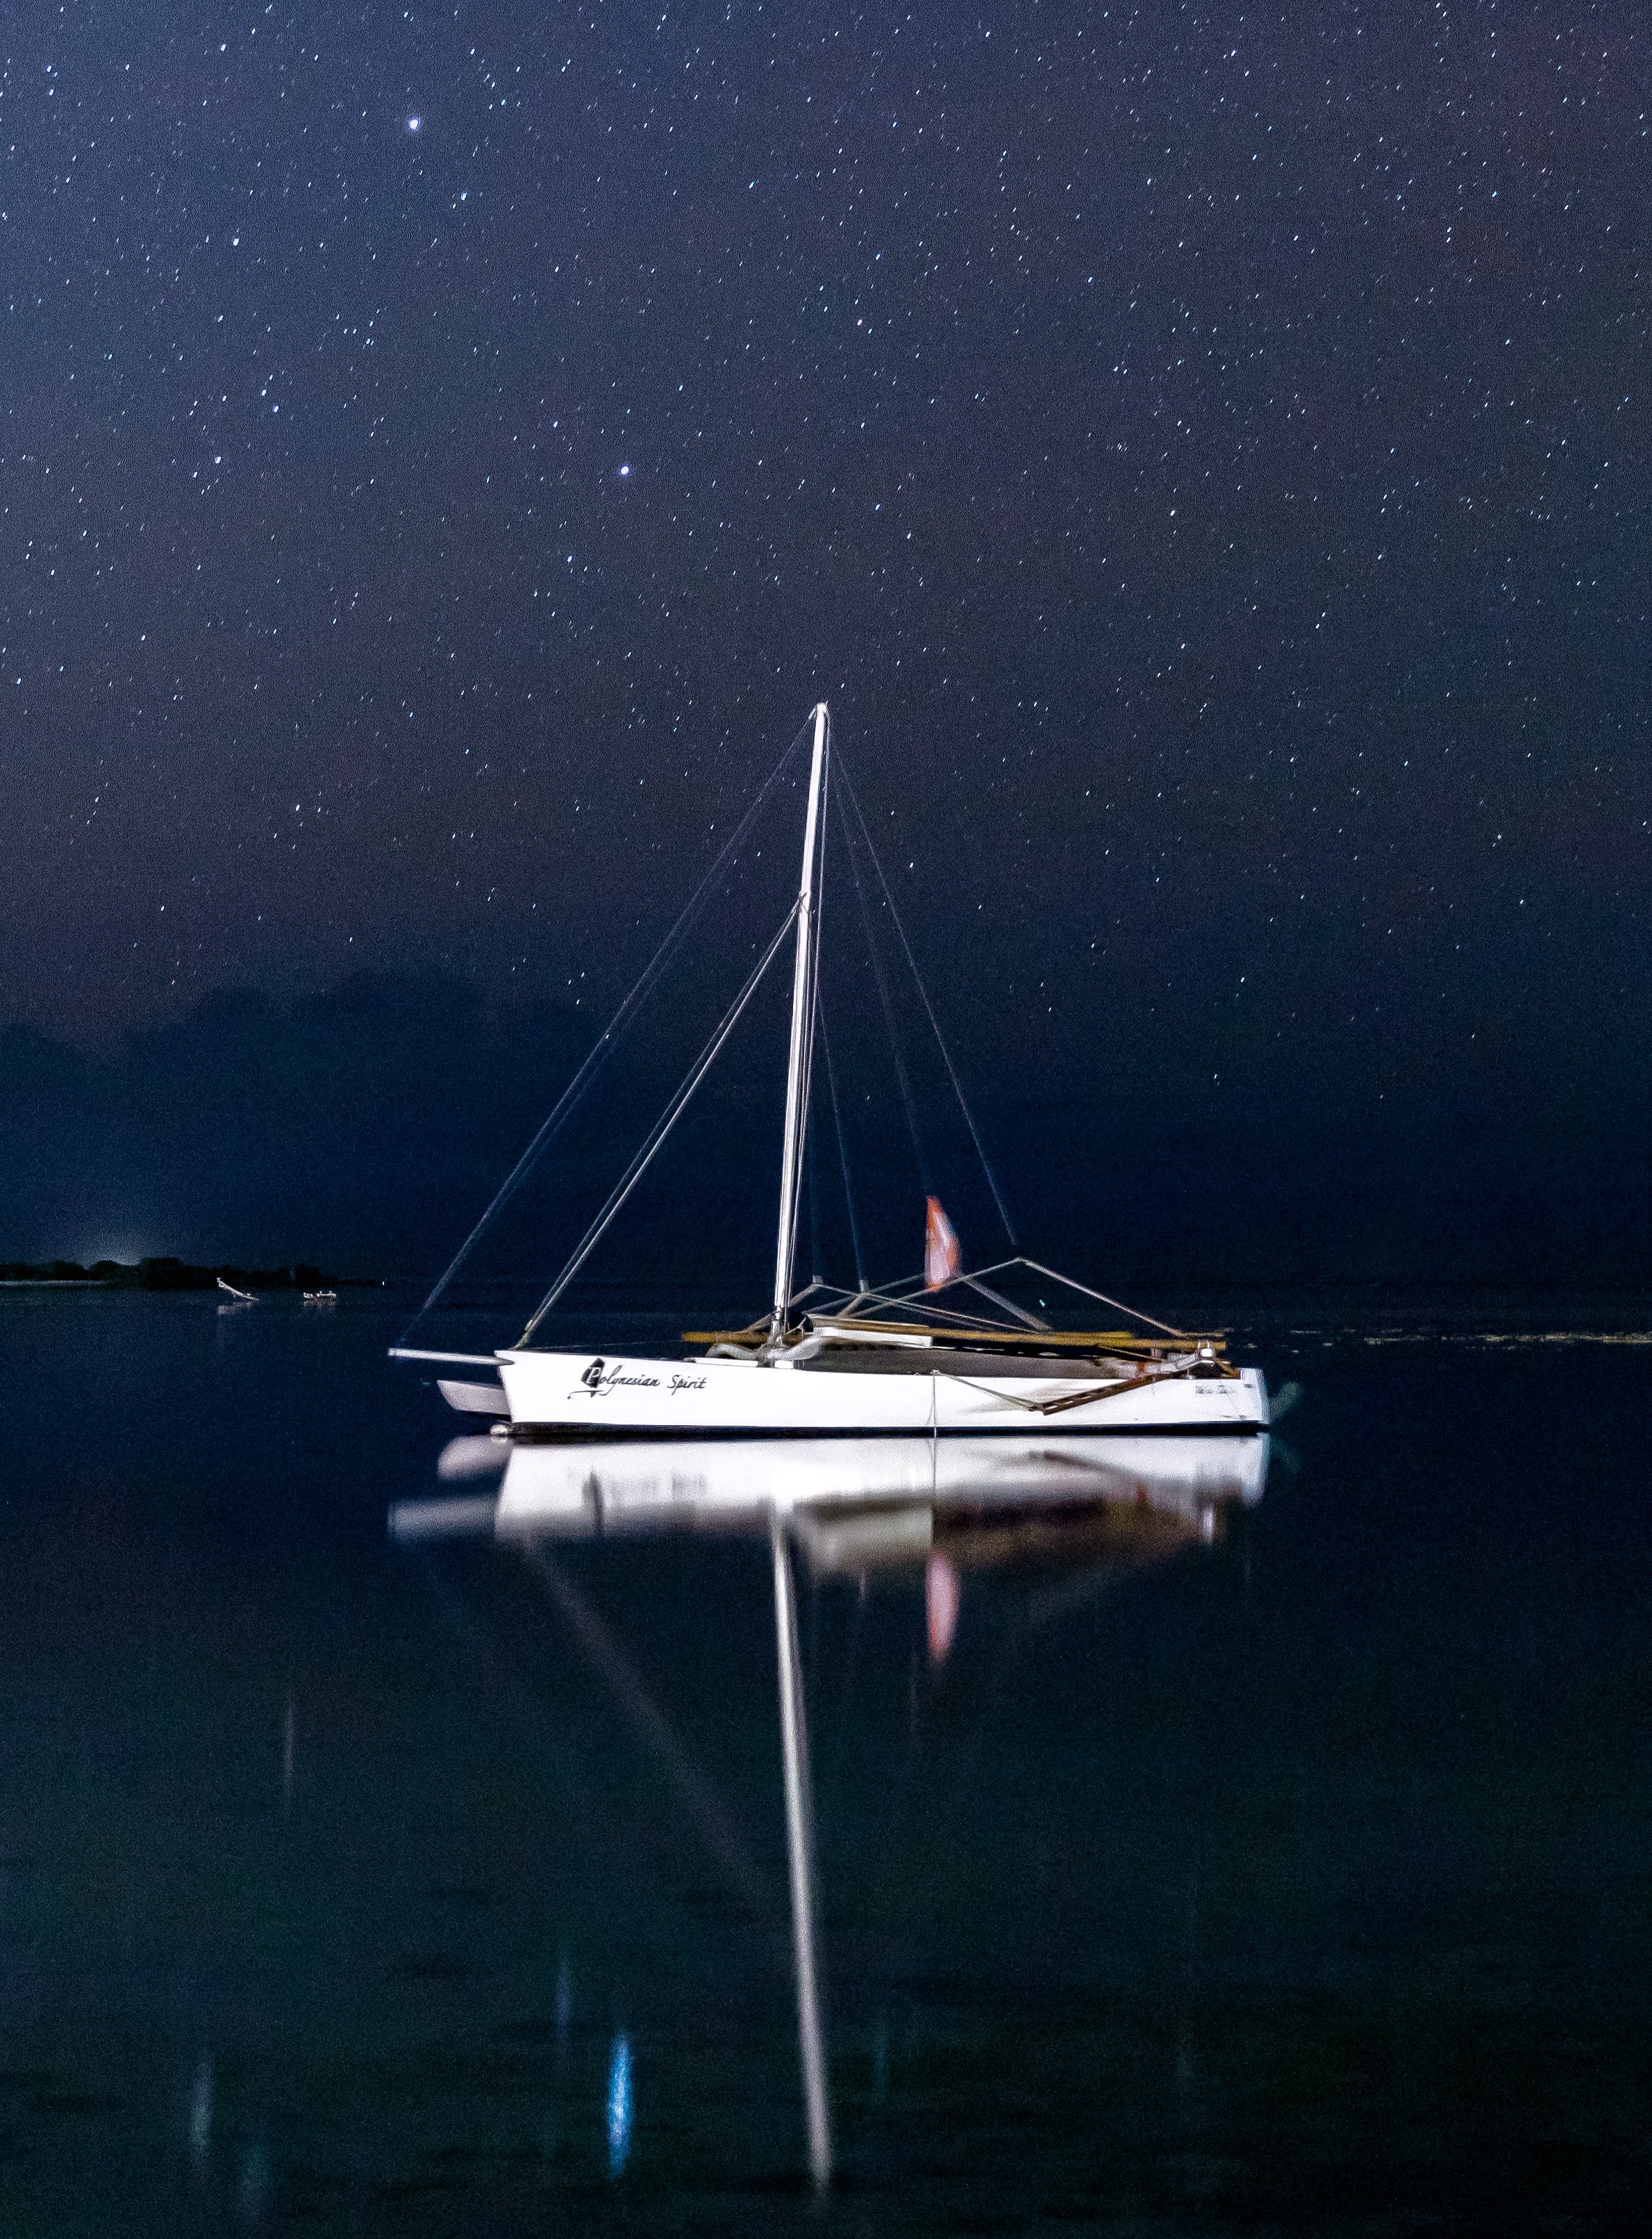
(1303, 1881)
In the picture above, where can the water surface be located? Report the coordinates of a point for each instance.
(1301, 1879)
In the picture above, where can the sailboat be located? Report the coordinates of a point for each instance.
(949, 1354)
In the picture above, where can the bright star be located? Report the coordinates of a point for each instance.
(414, 123)
(624, 472)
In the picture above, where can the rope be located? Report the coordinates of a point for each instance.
(814, 1210)
(1007, 1306)
(941, 1041)
(1134, 1312)
(883, 991)
(603, 1045)
(896, 1293)
(843, 1154)
(657, 1134)
(1114, 1389)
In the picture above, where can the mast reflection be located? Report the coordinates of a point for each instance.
(1096, 1507)
(799, 1846)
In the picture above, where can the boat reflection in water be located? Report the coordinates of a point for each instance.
(1092, 1504)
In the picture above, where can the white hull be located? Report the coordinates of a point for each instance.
(579, 1395)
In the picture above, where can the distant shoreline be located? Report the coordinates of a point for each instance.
(158, 1275)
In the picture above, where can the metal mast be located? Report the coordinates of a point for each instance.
(802, 1017)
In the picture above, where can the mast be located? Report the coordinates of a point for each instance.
(797, 1067)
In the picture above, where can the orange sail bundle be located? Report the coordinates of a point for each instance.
(943, 1260)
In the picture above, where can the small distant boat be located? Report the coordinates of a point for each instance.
(320, 1298)
(242, 1297)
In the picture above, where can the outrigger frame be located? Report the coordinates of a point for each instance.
(909, 1313)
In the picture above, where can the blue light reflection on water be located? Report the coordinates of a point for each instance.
(619, 2104)
(1306, 1867)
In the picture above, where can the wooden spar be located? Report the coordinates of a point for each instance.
(802, 1016)
(982, 1340)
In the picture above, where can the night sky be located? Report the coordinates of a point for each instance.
(1202, 457)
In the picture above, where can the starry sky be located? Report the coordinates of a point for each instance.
(1202, 455)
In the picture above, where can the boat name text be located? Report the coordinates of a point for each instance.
(599, 1378)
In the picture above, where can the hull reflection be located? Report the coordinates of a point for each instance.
(577, 1491)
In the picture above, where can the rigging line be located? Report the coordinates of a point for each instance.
(657, 1135)
(997, 1267)
(940, 1039)
(1020, 1313)
(1005, 1399)
(602, 1048)
(950, 1317)
(905, 1282)
(883, 991)
(814, 1214)
(907, 1288)
(843, 1154)
(1134, 1312)
(1114, 1389)
(943, 1317)
(712, 1820)
(902, 1291)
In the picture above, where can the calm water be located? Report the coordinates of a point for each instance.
(1301, 1880)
